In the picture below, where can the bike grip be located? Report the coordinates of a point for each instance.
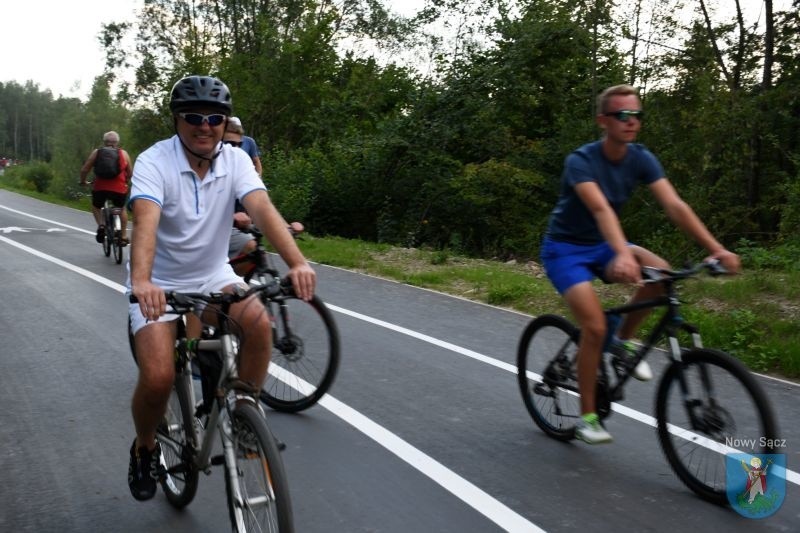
(286, 286)
(715, 268)
(133, 299)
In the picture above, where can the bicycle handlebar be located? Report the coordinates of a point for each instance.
(661, 275)
(184, 302)
(255, 232)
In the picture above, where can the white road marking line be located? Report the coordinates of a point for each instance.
(48, 220)
(78, 270)
(470, 494)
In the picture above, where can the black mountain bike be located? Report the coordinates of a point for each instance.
(707, 404)
(305, 339)
(255, 481)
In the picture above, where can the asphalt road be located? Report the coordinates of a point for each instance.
(424, 429)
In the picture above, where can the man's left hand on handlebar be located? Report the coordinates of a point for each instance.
(241, 220)
(729, 260)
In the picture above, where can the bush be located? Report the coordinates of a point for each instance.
(784, 256)
(35, 176)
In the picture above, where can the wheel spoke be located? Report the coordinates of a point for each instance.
(724, 411)
(545, 358)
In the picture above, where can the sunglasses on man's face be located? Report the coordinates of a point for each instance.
(197, 119)
(233, 143)
(624, 115)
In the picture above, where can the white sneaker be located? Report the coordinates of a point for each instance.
(643, 372)
(623, 349)
(591, 431)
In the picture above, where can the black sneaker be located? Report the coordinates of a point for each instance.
(144, 471)
(101, 230)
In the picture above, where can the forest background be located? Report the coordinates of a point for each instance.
(448, 129)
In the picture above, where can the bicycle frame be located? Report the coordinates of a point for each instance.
(668, 326)
(228, 389)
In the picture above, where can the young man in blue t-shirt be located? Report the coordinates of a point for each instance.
(584, 238)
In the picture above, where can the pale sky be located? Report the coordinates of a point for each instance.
(54, 42)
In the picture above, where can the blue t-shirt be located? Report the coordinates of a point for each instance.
(570, 220)
(249, 145)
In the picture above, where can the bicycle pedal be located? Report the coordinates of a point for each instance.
(542, 390)
(218, 460)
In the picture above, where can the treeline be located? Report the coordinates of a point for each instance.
(464, 152)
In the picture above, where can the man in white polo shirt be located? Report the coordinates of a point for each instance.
(182, 196)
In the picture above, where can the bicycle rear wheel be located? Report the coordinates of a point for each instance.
(545, 359)
(305, 354)
(176, 434)
(723, 410)
(259, 499)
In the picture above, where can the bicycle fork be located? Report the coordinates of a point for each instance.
(690, 402)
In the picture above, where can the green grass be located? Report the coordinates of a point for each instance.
(754, 316)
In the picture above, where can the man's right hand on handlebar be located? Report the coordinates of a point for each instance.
(152, 300)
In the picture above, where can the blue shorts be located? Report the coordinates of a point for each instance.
(568, 264)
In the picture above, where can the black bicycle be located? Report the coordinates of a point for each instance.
(707, 404)
(305, 339)
(255, 481)
(112, 235)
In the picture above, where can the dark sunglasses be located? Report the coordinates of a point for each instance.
(233, 143)
(624, 115)
(197, 119)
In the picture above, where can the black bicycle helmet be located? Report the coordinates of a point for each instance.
(206, 91)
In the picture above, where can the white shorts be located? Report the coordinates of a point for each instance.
(219, 281)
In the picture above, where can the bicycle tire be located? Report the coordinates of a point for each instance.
(176, 434)
(116, 243)
(264, 503)
(108, 234)
(687, 447)
(553, 403)
(304, 360)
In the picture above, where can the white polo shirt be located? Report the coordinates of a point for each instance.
(196, 215)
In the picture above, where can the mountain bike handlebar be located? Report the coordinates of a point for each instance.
(663, 275)
(184, 302)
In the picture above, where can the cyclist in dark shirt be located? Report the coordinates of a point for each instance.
(585, 240)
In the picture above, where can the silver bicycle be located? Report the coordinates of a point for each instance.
(255, 479)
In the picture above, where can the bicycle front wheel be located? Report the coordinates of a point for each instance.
(108, 238)
(545, 362)
(116, 243)
(258, 499)
(709, 405)
(176, 434)
(305, 354)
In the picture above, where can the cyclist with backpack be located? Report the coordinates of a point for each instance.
(112, 170)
